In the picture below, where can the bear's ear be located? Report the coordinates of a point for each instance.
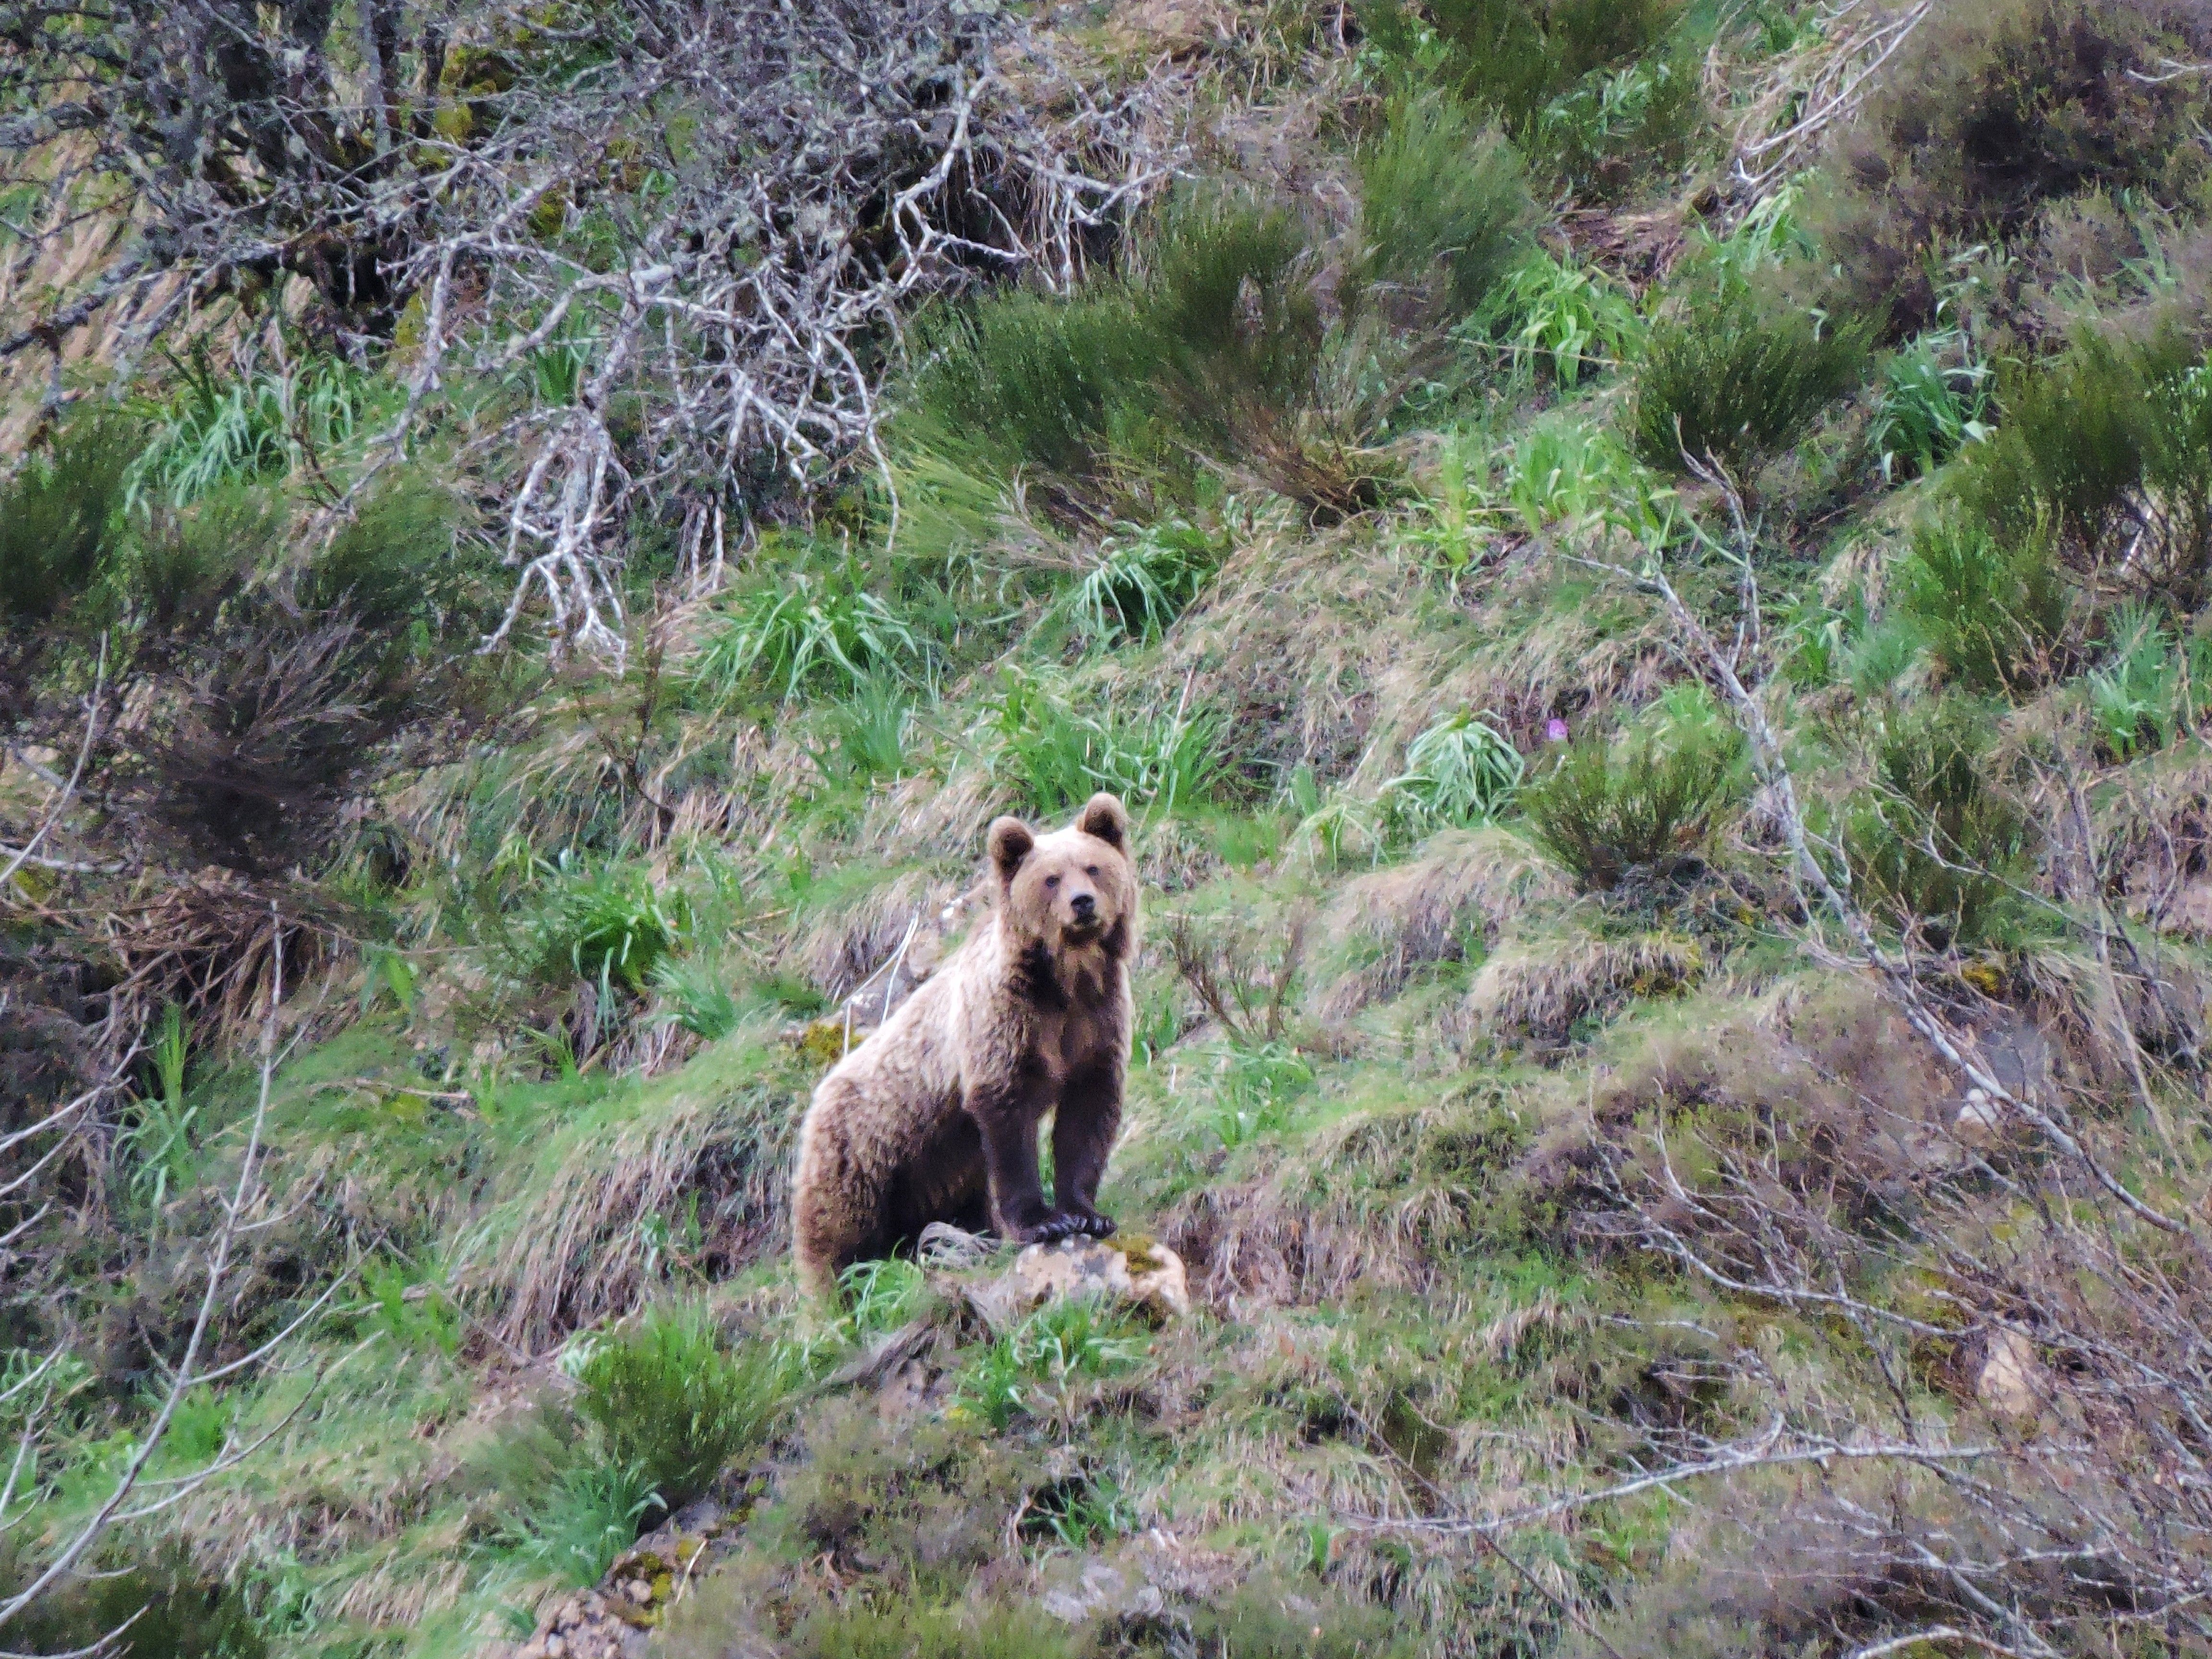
(1009, 843)
(1104, 816)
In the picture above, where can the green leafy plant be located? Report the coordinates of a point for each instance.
(1935, 397)
(672, 1403)
(606, 922)
(215, 433)
(1516, 56)
(2149, 688)
(881, 1296)
(699, 998)
(1615, 126)
(1143, 580)
(1568, 472)
(871, 730)
(1068, 1341)
(1994, 614)
(802, 631)
(1059, 756)
(1444, 204)
(159, 1137)
(1260, 1083)
(586, 1516)
(1603, 811)
(1569, 316)
(1934, 841)
(1461, 770)
(1737, 377)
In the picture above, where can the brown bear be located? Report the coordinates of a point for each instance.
(934, 1117)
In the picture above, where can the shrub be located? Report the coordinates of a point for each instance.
(672, 1403)
(1613, 129)
(1602, 811)
(1993, 614)
(1570, 315)
(1461, 770)
(1934, 844)
(1738, 376)
(2108, 449)
(401, 563)
(802, 630)
(1143, 580)
(869, 730)
(1018, 382)
(55, 519)
(586, 1515)
(1992, 113)
(1227, 303)
(1443, 206)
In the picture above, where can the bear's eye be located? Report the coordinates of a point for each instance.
(1089, 869)
(1052, 881)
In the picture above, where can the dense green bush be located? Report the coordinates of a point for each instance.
(1057, 756)
(1602, 810)
(56, 513)
(674, 1404)
(1516, 56)
(1020, 382)
(1994, 115)
(1934, 841)
(1213, 347)
(1993, 614)
(2107, 450)
(1736, 374)
(1444, 207)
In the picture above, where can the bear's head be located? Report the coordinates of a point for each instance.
(1073, 891)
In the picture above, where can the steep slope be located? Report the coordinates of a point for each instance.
(1641, 568)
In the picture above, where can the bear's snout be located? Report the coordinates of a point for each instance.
(1085, 906)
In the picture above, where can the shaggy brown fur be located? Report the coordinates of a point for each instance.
(935, 1116)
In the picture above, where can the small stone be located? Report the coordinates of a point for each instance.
(1980, 1120)
(638, 1590)
(2012, 1381)
(556, 1647)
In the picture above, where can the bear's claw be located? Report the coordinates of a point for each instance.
(1066, 1224)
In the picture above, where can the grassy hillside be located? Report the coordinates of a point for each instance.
(1644, 569)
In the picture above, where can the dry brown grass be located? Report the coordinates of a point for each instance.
(568, 1245)
(842, 945)
(1421, 911)
(1536, 990)
(1353, 1208)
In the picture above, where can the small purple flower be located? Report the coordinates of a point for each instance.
(1555, 730)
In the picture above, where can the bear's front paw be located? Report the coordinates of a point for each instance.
(1098, 1226)
(1053, 1228)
